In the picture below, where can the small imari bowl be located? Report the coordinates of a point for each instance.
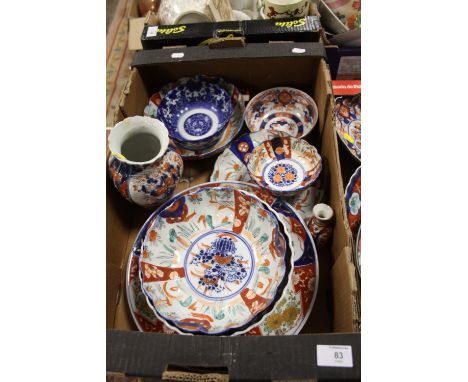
(284, 165)
(196, 113)
(282, 109)
(214, 261)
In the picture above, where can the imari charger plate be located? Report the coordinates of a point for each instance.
(292, 309)
(214, 261)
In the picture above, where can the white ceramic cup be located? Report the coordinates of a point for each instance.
(281, 9)
(241, 5)
(240, 16)
(184, 12)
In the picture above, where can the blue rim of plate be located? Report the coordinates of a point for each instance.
(357, 253)
(260, 316)
(307, 258)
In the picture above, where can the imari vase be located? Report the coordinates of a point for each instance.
(321, 224)
(144, 167)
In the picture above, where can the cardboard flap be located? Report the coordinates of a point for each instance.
(135, 29)
(254, 50)
(246, 358)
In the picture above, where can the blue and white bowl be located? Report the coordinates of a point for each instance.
(196, 113)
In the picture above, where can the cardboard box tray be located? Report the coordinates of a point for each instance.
(253, 68)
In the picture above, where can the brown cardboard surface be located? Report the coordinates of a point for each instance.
(135, 29)
(129, 106)
(250, 74)
(132, 9)
(346, 313)
(342, 233)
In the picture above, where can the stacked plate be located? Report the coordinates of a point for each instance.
(353, 212)
(223, 258)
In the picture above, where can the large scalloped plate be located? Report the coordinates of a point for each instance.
(232, 165)
(215, 261)
(234, 126)
(353, 201)
(290, 312)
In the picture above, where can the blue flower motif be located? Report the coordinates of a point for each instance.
(224, 264)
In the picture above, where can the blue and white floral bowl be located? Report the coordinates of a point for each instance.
(196, 113)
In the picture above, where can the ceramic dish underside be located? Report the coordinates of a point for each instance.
(232, 129)
(292, 309)
(348, 123)
(358, 251)
(353, 201)
(232, 165)
(215, 261)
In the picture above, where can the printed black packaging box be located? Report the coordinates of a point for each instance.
(300, 29)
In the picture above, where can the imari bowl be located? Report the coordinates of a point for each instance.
(196, 113)
(348, 123)
(282, 109)
(231, 165)
(291, 311)
(214, 262)
(284, 165)
(229, 133)
(353, 201)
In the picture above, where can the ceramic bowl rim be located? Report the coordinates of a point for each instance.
(139, 120)
(312, 103)
(281, 287)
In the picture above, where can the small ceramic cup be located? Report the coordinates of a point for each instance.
(241, 5)
(184, 12)
(281, 9)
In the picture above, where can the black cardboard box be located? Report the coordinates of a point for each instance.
(333, 320)
(299, 29)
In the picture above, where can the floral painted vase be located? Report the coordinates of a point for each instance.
(145, 169)
(321, 224)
